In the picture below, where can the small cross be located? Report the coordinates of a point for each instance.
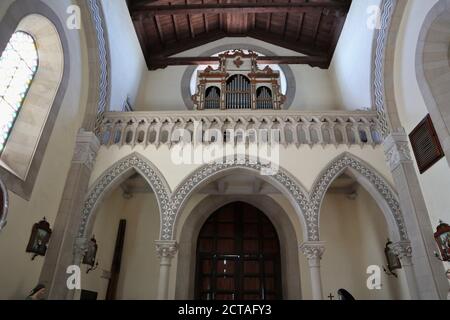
(331, 296)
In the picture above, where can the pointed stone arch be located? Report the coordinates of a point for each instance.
(282, 180)
(370, 180)
(115, 175)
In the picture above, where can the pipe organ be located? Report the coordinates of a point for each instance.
(238, 83)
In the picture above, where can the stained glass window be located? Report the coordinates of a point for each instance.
(18, 65)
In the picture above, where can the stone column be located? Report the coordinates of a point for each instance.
(165, 250)
(403, 250)
(428, 270)
(313, 252)
(63, 243)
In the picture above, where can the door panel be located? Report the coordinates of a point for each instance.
(238, 256)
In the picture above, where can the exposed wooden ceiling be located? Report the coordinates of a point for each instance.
(309, 27)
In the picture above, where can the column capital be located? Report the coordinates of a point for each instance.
(166, 248)
(86, 148)
(81, 246)
(396, 148)
(313, 249)
(402, 249)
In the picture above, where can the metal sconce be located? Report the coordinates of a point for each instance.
(90, 255)
(392, 260)
(442, 237)
(40, 236)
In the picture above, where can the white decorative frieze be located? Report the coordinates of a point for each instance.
(86, 149)
(295, 127)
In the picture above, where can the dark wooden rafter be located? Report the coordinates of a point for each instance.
(168, 27)
(313, 61)
(238, 8)
(337, 26)
(175, 26)
(205, 20)
(317, 26)
(191, 26)
(159, 29)
(299, 27)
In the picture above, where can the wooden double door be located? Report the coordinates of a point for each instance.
(238, 256)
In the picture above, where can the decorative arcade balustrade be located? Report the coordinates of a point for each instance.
(295, 127)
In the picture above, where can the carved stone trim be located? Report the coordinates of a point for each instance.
(86, 149)
(402, 249)
(296, 127)
(313, 249)
(397, 149)
(133, 161)
(166, 249)
(97, 20)
(379, 183)
(171, 203)
(382, 35)
(81, 246)
(200, 176)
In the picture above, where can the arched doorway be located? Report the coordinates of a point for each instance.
(238, 256)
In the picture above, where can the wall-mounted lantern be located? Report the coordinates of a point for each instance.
(442, 237)
(393, 260)
(90, 255)
(40, 236)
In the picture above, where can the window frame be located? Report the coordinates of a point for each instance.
(33, 76)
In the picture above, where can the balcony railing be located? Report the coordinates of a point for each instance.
(295, 127)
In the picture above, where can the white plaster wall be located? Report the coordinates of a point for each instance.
(139, 272)
(411, 106)
(355, 233)
(127, 61)
(161, 89)
(351, 65)
(18, 274)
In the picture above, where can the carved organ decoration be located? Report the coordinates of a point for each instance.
(238, 83)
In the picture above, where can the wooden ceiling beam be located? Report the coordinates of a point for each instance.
(187, 44)
(237, 8)
(307, 49)
(300, 27)
(317, 27)
(314, 61)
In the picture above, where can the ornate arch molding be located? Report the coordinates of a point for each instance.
(433, 67)
(94, 27)
(383, 95)
(291, 187)
(116, 174)
(345, 162)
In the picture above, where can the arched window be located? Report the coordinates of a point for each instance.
(18, 66)
(34, 76)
